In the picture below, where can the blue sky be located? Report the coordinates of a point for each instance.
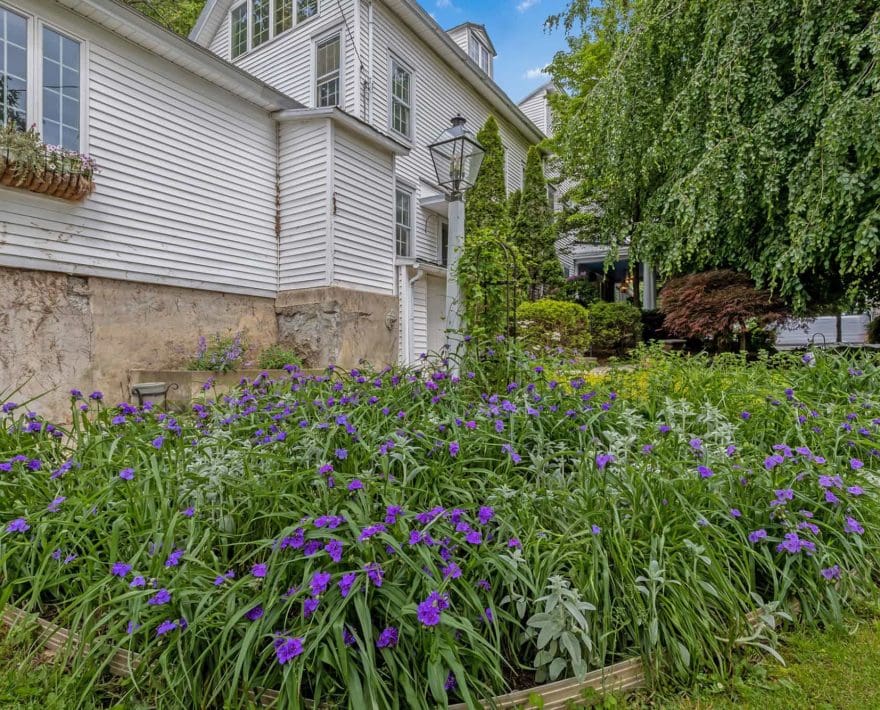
(517, 31)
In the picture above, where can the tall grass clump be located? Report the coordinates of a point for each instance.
(409, 538)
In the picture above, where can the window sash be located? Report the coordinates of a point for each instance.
(328, 60)
(283, 15)
(444, 243)
(401, 99)
(61, 90)
(306, 10)
(14, 72)
(403, 222)
(239, 30)
(261, 28)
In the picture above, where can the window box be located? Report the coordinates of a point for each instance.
(28, 163)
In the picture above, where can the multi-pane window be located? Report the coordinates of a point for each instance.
(401, 99)
(61, 90)
(239, 30)
(403, 221)
(13, 69)
(480, 54)
(283, 15)
(306, 9)
(260, 22)
(327, 62)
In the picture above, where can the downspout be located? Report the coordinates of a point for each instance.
(277, 208)
(368, 90)
(409, 310)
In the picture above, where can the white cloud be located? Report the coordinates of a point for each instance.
(525, 4)
(444, 3)
(536, 73)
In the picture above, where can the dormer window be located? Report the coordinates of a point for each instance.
(479, 52)
(254, 22)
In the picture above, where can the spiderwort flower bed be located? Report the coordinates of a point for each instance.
(409, 538)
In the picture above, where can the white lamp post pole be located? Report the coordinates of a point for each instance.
(453, 298)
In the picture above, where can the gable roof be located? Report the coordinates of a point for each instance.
(548, 87)
(414, 16)
(122, 20)
(481, 29)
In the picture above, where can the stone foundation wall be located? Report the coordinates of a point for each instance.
(339, 325)
(59, 331)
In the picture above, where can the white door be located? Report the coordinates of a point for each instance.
(436, 313)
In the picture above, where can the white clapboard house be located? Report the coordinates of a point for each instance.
(270, 173)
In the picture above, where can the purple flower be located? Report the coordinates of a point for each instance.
(374, 573)
(326, 468)
(286, 648)
(348, 638)
(855, 490)
(370, 531)
(320, 582)
(745, 415)
(705, 472)
(831, 573)
(259, 570)
(757, 535)
(853, 526)
(310, 606)
(485, 515)
(138, 581)
(224, 577)
(165, 627)
(855, 464)
(120, 569)
(55, 504)
(356, 485)
(126, 474)
(792, 544)
(18, 525)
(346, 583)
(429, 610)
(131, 627)
(388, 638)
(189, 512)
(254, 614)
(831, 498)
(451, 571)
(392, 513)
(163, 596)
(735, 513)
(664, 428)
(334, 549)
(342, 454)
(96, 395)
(489, 616)
(696, 444)
(602, 460)
(514, 543)
(158, 441)
(474, 537)
(174, 558)
(453, 448)
(595, 529)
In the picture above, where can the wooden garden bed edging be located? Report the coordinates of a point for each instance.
(55, 638)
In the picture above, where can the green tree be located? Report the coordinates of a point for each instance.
(177, 15)
(513, 203)
(729, 134)
(487, 199)
(534, 230)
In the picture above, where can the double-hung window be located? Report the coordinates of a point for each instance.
(401, 99)
(403, 221)
(328, 61)
(480, 54)
(261, 27)
(283, 15)
(239, 30)
(50, 97)
(13, 69)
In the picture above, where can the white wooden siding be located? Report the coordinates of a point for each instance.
(287, 62)
(419, 317)
(363, 244)
(440, 93)
(186, 191)
(305, 180)
(537, 111)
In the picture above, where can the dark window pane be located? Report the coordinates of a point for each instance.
(61, 98)
(283, 15)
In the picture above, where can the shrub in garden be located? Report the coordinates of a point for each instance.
(275, 357)
(580, 290)
(614, 327)
(721, 306)
(549, 323)
(222, 353)
(408, 538)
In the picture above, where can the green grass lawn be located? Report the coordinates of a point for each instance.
(832, 668)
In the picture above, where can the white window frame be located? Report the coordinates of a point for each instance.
(395, 62)
(479, 48)
(249, 22)
(328, 36)
(403, 188)
(34, 107)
